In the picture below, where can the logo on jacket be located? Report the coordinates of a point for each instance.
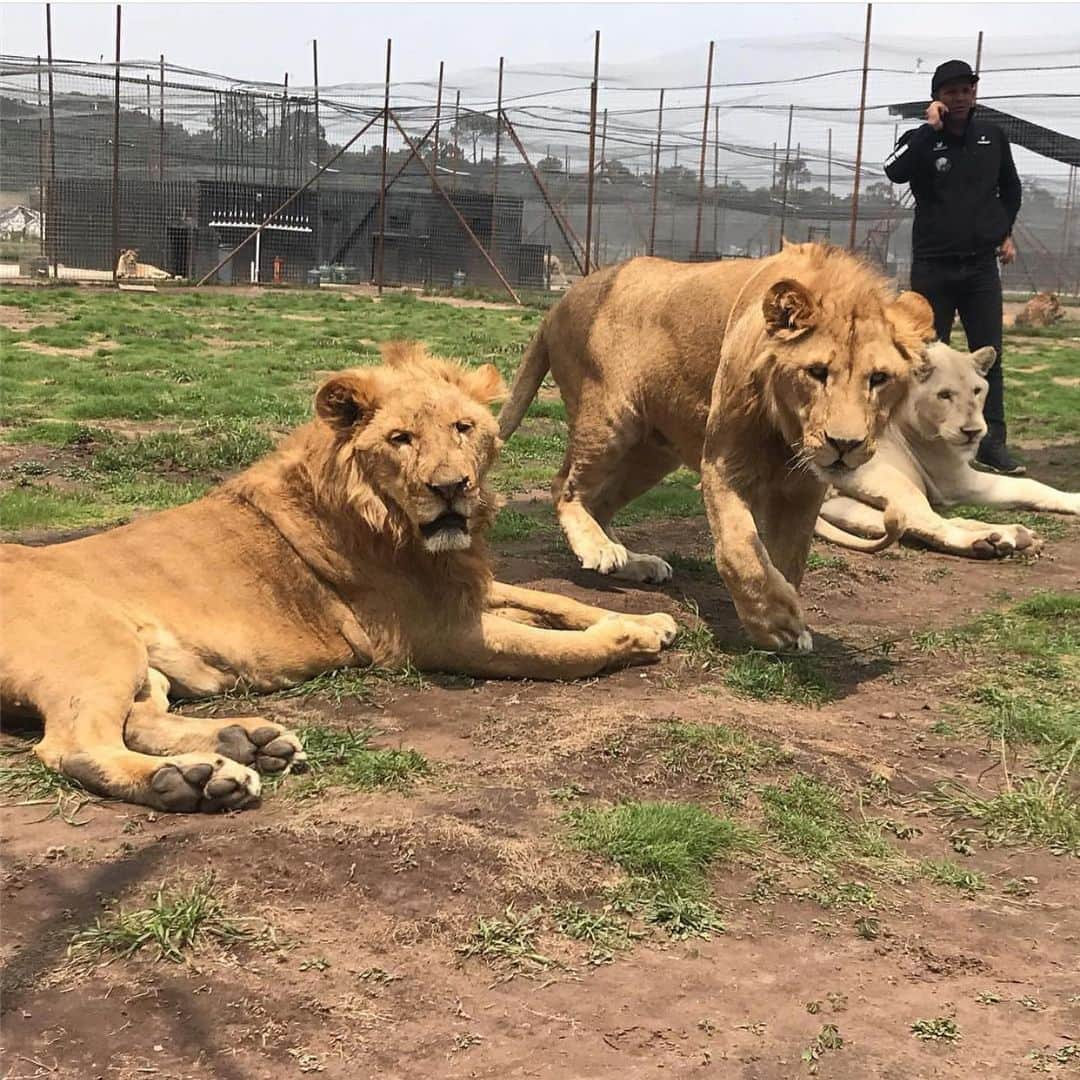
(983, 140)
(939, 146)
(942, 164)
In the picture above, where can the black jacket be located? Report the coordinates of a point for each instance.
(967, 193)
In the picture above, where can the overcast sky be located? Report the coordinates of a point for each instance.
(550, 46)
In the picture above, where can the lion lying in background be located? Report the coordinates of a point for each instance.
(128, 266)
(359, 541)
(924, 458)
(772, 376)
(1043, 309)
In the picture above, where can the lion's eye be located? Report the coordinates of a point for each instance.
(945, 395)
(879, 378)
(463, 427)
(819, 372)
(401, 438)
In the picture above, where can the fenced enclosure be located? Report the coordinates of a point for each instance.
(510, 179)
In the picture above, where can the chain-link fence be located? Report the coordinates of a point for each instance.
(481, 181)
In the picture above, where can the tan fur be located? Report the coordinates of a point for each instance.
(360, 540)
(128, 266)
(924, 460)
(1043, 309)
(658, 361)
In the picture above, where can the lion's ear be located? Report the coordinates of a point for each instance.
(345, 400)
(789, 309)
(984, 358)
(485, 384)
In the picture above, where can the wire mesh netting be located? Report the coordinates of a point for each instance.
(485, 179)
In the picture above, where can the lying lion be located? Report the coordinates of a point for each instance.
(771, 375)
(925, 458)
(128, 266)
(1043, 309)
(359, 541)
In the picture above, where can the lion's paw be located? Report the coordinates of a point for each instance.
(268, 747)
(606, 558)
(186, 783)
(1000, 541)
(629, 639)
(663, 624)
(776, 621)
(648, 569)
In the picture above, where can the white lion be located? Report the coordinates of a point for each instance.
(924, 460)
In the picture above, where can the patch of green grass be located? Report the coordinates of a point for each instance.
(600, 930)
(937, 1029)
(49, 433)
(1038, 406)
(507, 942)
(674, 497)
(345, 757)
(512, 525)
(682, 915)
(807, 819)
(672, 843)
(765, 676)
(173, 924)
(948, 873)
(816, 561)
(26, 779)
(1040, 812)
(224, 445)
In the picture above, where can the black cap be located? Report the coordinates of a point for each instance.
(951, 71)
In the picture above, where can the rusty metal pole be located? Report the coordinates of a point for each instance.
(382, 182)
(116, 156)
(704, 143)
(495, 169)
(978, 53)
(862, 121)
(438, 118)
(161, 117)
(787, 173)
(52, 215)
(149, 134)
(600, 202)
(656, 176)
(592, 151)
(828, 190)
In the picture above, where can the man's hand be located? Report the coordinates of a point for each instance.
(1007, 252)
(936, 113)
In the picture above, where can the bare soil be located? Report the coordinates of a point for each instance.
(367, 896)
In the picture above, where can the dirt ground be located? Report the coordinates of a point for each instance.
(366, 896)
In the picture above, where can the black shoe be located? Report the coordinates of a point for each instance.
(994, 457)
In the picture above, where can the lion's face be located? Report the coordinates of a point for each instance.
(423, 439)
(947, 397)
(839, 370)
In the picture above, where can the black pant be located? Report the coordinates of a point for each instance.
(972, 288)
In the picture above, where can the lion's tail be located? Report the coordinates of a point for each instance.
(894, 529)
(530, 374)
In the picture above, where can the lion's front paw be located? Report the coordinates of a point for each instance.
(267, 747)
(776, 621)
(606, 558)
(999, 541)
(186, 783)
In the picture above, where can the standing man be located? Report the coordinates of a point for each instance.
(967, 196)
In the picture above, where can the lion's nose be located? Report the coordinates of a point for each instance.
(451, 490)
(971, 433)
(844, 446)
